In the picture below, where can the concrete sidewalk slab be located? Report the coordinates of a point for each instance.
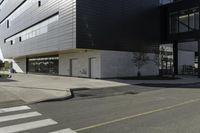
(59, 82)
(8, 98)
(34, 95)
(35, 88)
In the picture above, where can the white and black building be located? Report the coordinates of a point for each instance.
(86, 38)
(81, 38)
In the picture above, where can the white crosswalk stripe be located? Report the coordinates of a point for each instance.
(18, 116)
(68, 130)
(22, 118)
(27, 126)
(13, 109)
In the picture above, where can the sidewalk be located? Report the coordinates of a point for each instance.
(35, 88)
(8, 98)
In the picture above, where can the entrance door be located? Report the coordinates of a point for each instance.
(93, 67)
(74, 70)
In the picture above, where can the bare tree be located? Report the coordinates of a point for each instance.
(140, 59)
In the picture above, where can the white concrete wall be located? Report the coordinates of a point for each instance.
(119, 64)
(20, 65)
(83, 61)
(185, 58)
(110, 64)
(1, 55)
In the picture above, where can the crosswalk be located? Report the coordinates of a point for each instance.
(13, 115)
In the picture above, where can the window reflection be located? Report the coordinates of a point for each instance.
(48, 65)
(184, 21)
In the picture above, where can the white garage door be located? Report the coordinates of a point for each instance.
(74, 67)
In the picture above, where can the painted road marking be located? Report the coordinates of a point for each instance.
(27, 126)
(137, 115)
(12, 109)
(19, 116)
(68, 130)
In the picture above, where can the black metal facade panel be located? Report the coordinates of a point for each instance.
(182, 5)
(184, 37)
(124, 25)
(164, 31)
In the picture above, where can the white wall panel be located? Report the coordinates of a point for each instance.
(61, 34)
(83, 63)
(119, 64)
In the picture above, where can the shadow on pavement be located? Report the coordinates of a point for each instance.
(7, 80)
(164, 85)
(88, 93)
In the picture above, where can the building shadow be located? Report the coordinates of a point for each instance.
(166, 85)
(7, 80)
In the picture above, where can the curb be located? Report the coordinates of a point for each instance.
(69, 95)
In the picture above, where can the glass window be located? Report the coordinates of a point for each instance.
(33, 34)
(196, 20)
(183, 23)
(36, 30)
(3, 4)
(25, 6)
(48, 65)
(192, 21)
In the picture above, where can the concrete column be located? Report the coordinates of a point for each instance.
(199, 58)
(175, 56)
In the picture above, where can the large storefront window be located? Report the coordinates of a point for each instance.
(46, 65)
(184, 21)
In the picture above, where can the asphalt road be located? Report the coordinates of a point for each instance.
(169, 110)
